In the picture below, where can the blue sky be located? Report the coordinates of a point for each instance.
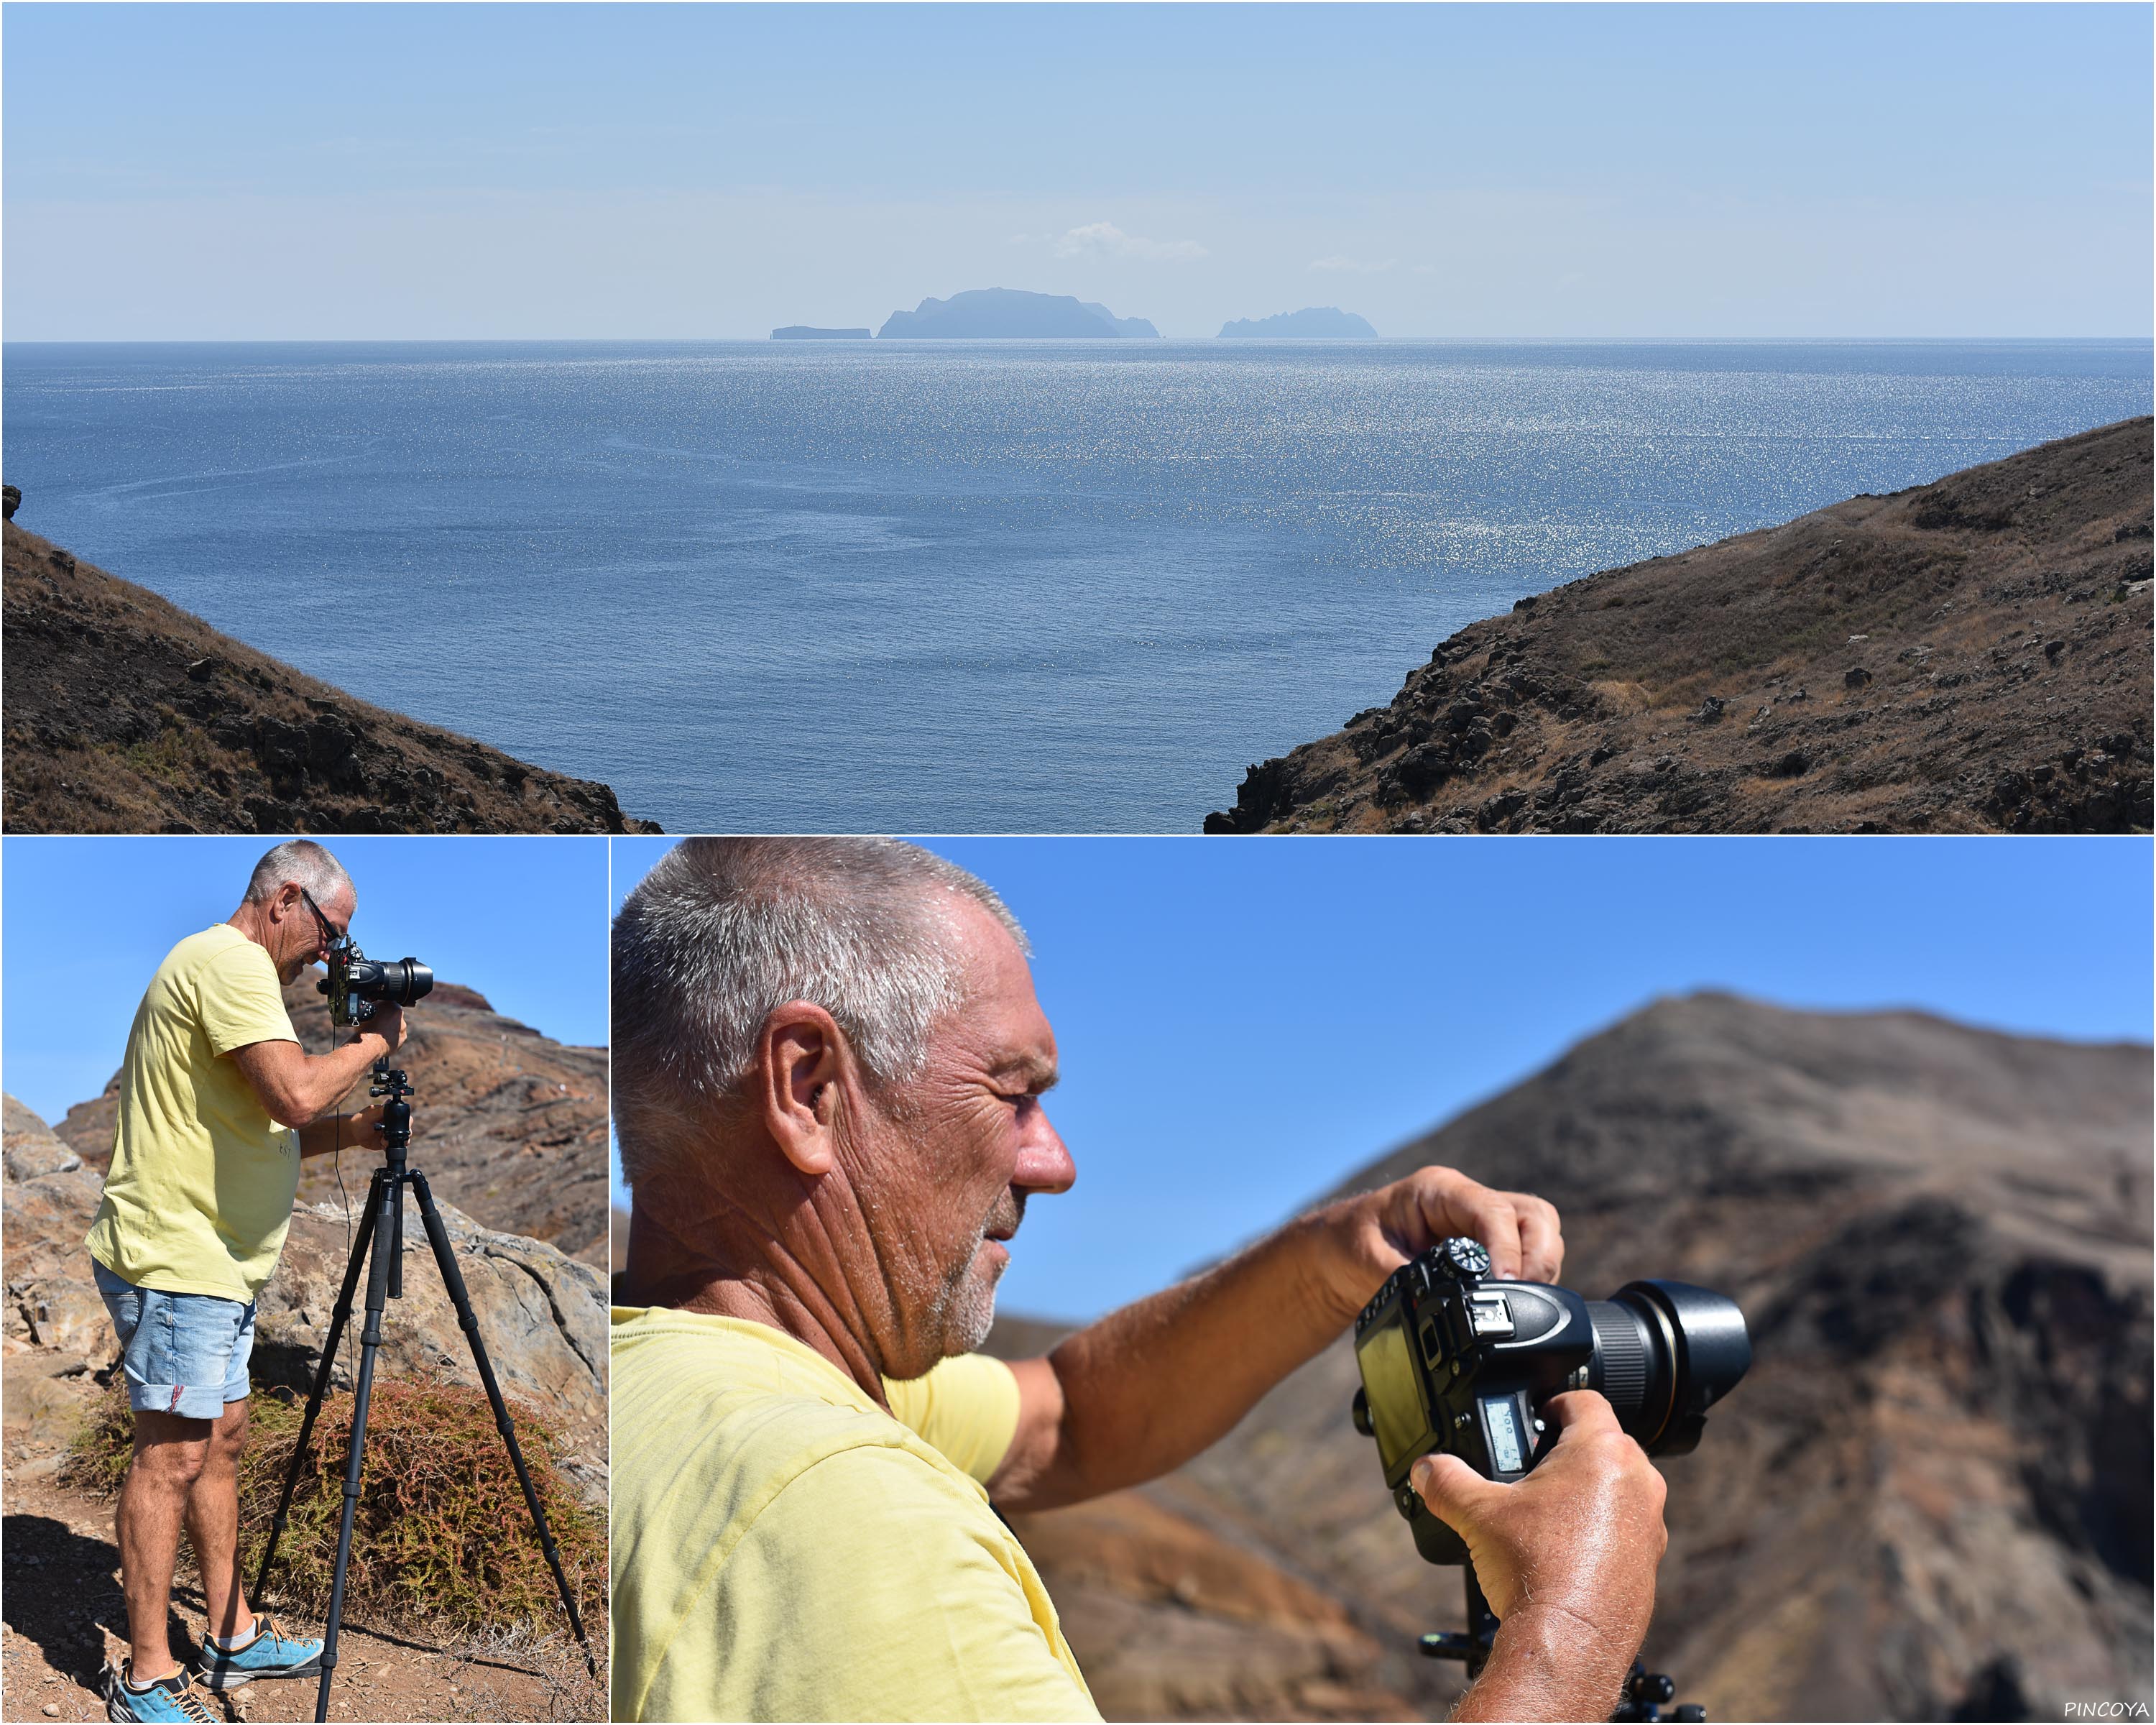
(268, 171)
(1322, 1000)
(87, 921)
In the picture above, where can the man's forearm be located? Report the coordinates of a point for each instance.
(330, 1132)
(326, 1080)
(1147, 1387)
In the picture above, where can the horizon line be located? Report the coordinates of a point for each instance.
(1089, 341)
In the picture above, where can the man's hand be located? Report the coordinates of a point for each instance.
(1567, 1558)
(1374, 1232)
(388, 1023)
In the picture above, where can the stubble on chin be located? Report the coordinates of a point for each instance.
(972, 1312)
(964, 1310)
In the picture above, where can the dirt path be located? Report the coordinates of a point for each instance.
(63, 1616)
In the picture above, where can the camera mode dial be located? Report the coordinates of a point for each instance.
(1462, 1259)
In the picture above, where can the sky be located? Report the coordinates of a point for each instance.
(1241, 1026)
(87, 921)
(281, 172)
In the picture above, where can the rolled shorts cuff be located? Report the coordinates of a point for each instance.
(185, 1354)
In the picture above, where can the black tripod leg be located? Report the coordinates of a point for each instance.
(454, 1279)
(339, 1318)
(385, 1194)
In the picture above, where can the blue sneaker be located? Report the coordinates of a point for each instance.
(271, 1654)
(169, 1699)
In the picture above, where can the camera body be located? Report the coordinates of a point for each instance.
(1455, 1362)
(355, 982)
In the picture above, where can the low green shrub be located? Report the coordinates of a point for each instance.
(441, 1536)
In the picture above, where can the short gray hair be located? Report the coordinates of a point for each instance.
(724, 931)
(303, 862)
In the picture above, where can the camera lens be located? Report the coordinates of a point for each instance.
(405, 980)
(1665, 1352)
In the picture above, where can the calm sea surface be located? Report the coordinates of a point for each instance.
(953, 587)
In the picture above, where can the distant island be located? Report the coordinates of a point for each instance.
(1007, 314)
(810, 333)
(1312, 321)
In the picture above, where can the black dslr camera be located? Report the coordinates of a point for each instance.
(355, 982)
(1455, 1364)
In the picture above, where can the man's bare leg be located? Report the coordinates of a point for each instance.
(169, 1452)
(212, 1518)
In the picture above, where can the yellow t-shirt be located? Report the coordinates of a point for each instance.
(199, 1192)
(784, 1549)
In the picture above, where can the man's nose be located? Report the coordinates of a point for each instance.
(1043, 1161)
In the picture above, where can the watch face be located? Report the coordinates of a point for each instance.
(1466, 1257)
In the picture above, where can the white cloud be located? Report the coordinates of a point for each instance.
(1104, 239)
(1354, 265)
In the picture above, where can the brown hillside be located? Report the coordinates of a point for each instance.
(508, 1124)
(1929, 1499)
(125, 714)
(1972, 655)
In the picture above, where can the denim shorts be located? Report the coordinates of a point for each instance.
(183, 1353)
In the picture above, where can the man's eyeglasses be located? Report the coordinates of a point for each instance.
(331, 937)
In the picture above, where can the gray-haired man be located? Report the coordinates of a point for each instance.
(218, 1104)
(829, 1067)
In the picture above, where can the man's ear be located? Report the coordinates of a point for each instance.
(800, 1059)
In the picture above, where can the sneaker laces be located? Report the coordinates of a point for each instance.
(186, 1698)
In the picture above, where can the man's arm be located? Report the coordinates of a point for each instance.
(297, 1087)
(1148, 1387)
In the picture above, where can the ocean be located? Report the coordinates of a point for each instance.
(953, 587)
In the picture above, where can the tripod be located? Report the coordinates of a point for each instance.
(1645, 1693)
(381, 1230)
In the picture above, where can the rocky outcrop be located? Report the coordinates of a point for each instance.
(508, 1125)
(1313, 322)
(1930, 1497)
(1971, 655)
(52, 1303)
(1004, 314)
(125, 714)
(542, 1315)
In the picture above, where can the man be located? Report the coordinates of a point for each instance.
(217, 1103)
(829, 1067)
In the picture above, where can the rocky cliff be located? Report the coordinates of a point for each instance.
(542, 1315)
(125, 714)
(1929, 1499)
(508, 1124)
(1971, 655)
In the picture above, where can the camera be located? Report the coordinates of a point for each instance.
(355, 982)
(1456, 1362)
